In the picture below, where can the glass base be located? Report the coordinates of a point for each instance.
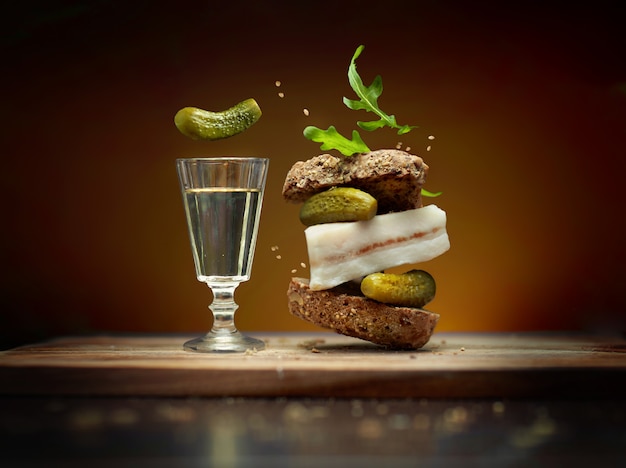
(224, 343)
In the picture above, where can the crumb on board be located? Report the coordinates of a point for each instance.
(310, 344)
(498, 407)
(431, 137)
(278, 257)
(428, 148)
(278, 83)
(281, 94)
(306, 112)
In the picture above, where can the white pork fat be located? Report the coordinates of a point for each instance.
(340, 252)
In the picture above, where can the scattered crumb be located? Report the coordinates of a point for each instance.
(428, 148)
(278, 257)
(315, 350)
(278, 83)
(274, 248)
(357, 409)
(251, 351)
(408, 148)
(399, 145)
(311, 344)
(175, 413)
(431, 137)
(294, 271)
(382, 409)
(319, 412)
(421, 422)
(303, 265)
(498, 407)
(281, 94)
(399, 422)
(370, 428)
(305, 111)
(462, 349)
(124, 417)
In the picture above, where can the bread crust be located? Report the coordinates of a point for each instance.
(344, 310)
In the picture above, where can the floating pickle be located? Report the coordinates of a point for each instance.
(415, 288)
(338, 204)
(199, 124)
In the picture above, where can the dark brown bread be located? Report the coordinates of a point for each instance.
(344, 310)
(393, 177)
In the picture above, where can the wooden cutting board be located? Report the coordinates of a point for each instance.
(452, 365)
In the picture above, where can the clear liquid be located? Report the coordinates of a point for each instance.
(223, 224)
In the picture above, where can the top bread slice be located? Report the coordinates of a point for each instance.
(393, 177)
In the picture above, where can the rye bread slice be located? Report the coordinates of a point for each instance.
(344, 310)
(393, 177)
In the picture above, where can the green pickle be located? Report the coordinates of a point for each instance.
(338, 204)
(415, 288)
(199, 124)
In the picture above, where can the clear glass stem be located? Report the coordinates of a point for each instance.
(223, 308)
(224, 336)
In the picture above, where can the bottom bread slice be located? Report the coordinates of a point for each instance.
(344, 310)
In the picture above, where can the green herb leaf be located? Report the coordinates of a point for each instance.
(368, 96)
(426, 193)
(332, 139)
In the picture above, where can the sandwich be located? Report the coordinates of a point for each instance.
(364, 214)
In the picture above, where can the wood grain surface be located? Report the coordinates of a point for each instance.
(451, 365)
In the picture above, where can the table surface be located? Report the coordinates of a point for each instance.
(452, 365)
(295, 432)
(326, 400)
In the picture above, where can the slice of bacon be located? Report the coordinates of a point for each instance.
(340, 252)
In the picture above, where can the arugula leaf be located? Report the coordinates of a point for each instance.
(426, 193)
(369, 99)
(332, 139)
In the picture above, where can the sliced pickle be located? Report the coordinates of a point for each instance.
(415, 288)
(338, 204)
